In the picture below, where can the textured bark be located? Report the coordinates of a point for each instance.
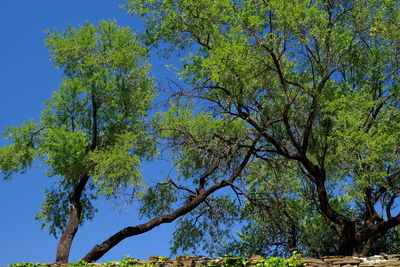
(377, 229)
(64, 245)
(348, 242)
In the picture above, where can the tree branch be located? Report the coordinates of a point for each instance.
(99, 250)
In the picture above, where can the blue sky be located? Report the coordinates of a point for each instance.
(27, 80)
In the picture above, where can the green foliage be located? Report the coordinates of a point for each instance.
(127, 261)
(231, 261)
(314, 84)
(56, 205)
(318, 80)
(56, 143)
(278, 218)
(293, 261)
(205, 228)
(158, 200)
(227, 261)
(94, 124)
(18, 156)
(27, 264)
(198, 139)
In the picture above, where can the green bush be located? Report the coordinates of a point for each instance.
(236, 261)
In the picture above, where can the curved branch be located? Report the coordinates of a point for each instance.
(99, 250)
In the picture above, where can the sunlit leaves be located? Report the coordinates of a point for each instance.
(97, 117)
(64, 151)
(105, 70)
(94, 124)
(319, 79)
(18, 156)
(117, 166)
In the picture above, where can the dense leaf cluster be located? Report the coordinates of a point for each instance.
(94, 123)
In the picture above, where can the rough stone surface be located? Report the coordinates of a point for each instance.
(383, 260)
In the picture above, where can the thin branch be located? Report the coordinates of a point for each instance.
(170, 181)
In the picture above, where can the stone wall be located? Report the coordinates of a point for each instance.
(331, 261)
(377, 261)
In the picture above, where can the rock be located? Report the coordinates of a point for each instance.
(254, 257)
(346, 262)
(313, 261)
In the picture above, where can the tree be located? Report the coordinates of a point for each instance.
(317, 80)
(93, 133)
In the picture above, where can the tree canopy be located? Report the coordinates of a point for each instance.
(92, 135)
(318, 80)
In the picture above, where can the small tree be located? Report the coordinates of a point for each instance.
(92, 134)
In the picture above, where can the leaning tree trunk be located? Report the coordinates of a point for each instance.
(64, 245)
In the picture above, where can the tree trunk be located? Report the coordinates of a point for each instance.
(367, 247)
(348, 242)
(64, 245)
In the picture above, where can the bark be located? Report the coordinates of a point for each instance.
(319, 177)
(367, 247)
(378, 229)
(361, 242)
(64, 245)
(348, 242)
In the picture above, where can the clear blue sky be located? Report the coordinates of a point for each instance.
(27, 80)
